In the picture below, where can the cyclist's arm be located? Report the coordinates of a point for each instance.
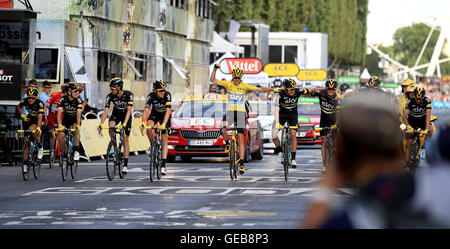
(427, 119)
(41, 114)
(58, 116)
(104, 115)
(79, 112)
(145, 115)
(265, 89)
(313, 90)
(19, 110)
(213, 78)
(128, 115)
(405, 117)
(167, 115)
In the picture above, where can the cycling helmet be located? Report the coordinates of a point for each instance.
(32, 92)
(71, 86)
(419, 92)
(159, 84)
(331, 84)
(289, 83)
(237, 72)
(407, 82)
(411, 88)
(374, 82)
(344, 87)
(115, 83)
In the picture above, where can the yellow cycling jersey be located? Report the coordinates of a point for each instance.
(236, 94)
(401, 106)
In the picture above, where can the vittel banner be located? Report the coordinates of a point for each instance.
(249, 65)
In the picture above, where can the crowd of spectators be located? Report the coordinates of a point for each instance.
(437, 91)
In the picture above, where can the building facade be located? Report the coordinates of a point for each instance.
(138, 40)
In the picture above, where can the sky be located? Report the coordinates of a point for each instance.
(386, 16)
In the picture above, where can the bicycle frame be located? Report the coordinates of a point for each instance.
(155, 152)
(233, 153)
(31, 160)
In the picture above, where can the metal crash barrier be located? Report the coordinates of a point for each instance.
(96, 145)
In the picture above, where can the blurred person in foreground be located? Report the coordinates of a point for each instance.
(367, 149)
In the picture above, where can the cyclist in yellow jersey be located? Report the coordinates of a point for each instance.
(404, 97)
(236, 112)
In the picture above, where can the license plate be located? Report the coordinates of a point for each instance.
(201, 142)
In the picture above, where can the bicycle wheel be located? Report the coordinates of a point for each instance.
(232, 157)
(119, 161)
(158, 162)
(73, 166)
(414, 160)
(36, 163)
(52, 158)
(111, 160)
(64, 161)
(152, 159)
(286, 163)
(26, 163)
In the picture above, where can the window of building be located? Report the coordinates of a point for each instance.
(141, 66)
(204, 8)
(275, 54)
(167, 72)
(247, 51)
(46, 64)
(109, 65)
(290, 54)
(181, 4)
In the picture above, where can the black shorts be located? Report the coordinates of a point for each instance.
(119, 118)
(26, 125)
(290, 117)
(236, 118)
(69, 121)
(158, 117)
(326, 121)
(417, 122)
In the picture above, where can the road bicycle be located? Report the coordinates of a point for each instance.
(155, 153)
(30, 146)
(233, 152)
(114, 154)
(66, 159)
(417, 152)
(286, 148)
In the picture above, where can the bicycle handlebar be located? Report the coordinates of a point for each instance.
(333, 127)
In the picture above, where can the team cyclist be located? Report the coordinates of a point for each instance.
(287, 112)
(236, 111)
(123, 105)
(70, 105)
(417, 115)
(158, 111)
(32, 120)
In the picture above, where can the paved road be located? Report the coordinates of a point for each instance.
(198, 194)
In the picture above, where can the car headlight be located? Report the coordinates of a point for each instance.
(173, 132)
(170, 147)
(316, 126)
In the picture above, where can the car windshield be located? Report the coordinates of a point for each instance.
(263, 108)
(308, 109)
(196, 109)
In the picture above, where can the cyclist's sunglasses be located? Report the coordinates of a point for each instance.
(160, 90)
(113, 88)
(331, 88)
(236, 78)
(75, 91)
(291, 89)
(31, 97)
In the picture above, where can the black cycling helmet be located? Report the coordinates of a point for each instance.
(159, 84)
(374, 82)
(289, 83)
(71, 86)
(344, 87)
(116, 82)
(419, 92)
(32, 92)
(331, 84)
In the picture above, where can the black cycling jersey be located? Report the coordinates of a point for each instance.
(120, 104)
(33, 110)
(289, 103)
(157, 104)
(70, 107)
(327, 105)
(418, 110)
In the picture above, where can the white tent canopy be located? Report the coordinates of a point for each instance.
(365, 74)
(261, 78)
(220, 45)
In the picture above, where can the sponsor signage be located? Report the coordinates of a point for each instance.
(306, 100)
(249, 65)
(10, 82)
(312, 75)
(389, 85)
(281, 69)
(302, 119)
(352, 80)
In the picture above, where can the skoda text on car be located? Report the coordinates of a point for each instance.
(195, 129)
(308, 119)
(266, 116)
